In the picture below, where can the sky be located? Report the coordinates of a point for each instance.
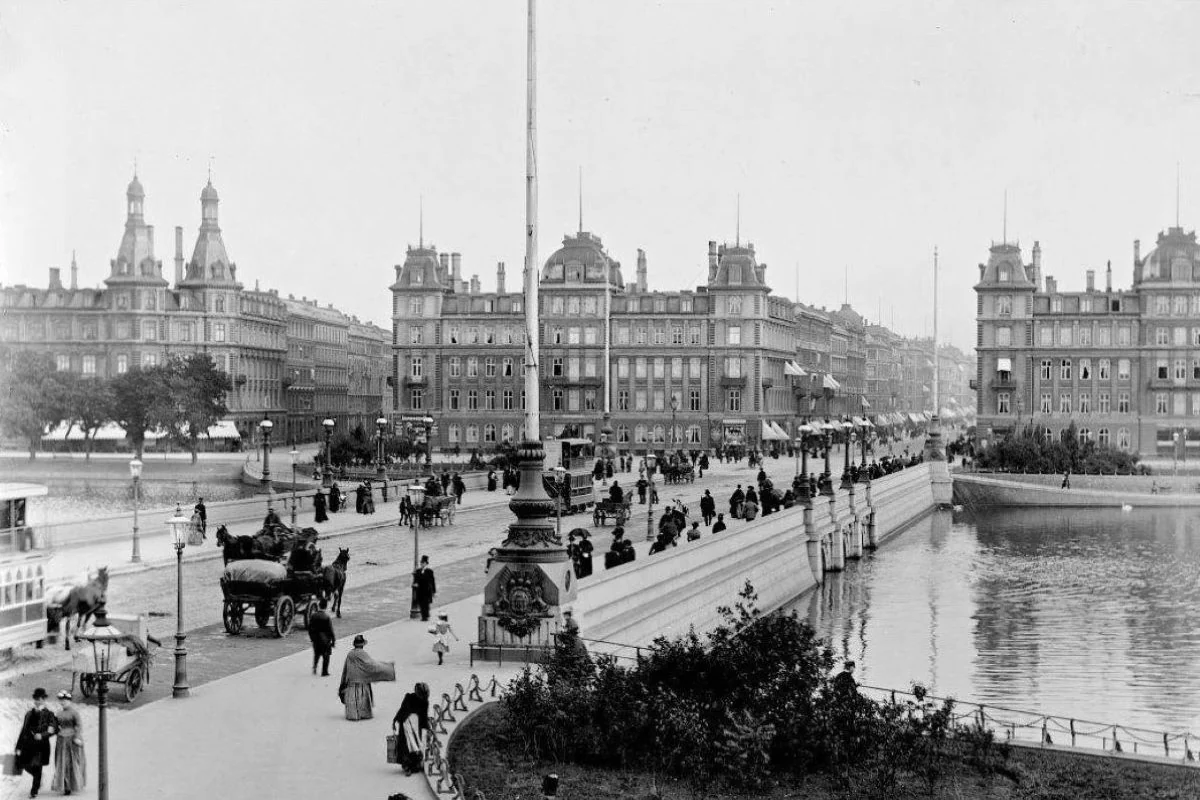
(858, 136)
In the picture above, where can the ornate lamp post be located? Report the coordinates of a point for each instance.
(560, 485)
(293, 453)
(327, 474)
(428, 423)
(650, 461)
(827, 429)
(849, 437)
(265, 426)
(179, 527)
(866, 435)
(135, 472)
(381, 425)
(106, 641)
(800, 483)
(416, 496)
(674, 410)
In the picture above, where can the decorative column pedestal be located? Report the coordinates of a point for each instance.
(939, 470)
(530, 579)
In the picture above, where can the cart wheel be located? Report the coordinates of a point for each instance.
(285, 615)
(262, 614)
(133, 684)
(309, 610)
(87, 684)
(231, 615)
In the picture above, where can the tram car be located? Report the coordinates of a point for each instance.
(578, 458)
(23, 565)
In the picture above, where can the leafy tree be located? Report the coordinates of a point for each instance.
(88, 405)
(31, 397)
(138, 403)
(195, 400)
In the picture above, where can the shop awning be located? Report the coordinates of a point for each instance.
(772, 432)
(859, 422)
(1003, 365)
(792, 368)
(828, 382)
(224, 429)
(918, 420)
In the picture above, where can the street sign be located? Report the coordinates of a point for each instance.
(412, 418)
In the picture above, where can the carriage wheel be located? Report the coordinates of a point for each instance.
(285, 615)
(309, 610)
(133, 684)
(231, 615)
(262, 614)
(87, 684)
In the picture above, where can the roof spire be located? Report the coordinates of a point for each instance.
(737, 240)
(421, 223)
(135, 166)
(210, 170)
(581, 198)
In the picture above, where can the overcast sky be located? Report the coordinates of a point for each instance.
(859, 136)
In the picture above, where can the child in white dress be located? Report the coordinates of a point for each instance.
(442, 631)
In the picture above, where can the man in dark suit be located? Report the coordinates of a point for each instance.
(426, 586)
(320, 632)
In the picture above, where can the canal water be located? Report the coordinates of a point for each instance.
(1091, 614)
(73, 499)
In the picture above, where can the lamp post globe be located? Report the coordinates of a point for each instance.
(265, 427)
(428, 423)
(178, 526)
(105, 641)
(327, 473)
(135, 472)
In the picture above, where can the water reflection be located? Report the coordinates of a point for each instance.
(1088, 613)
(71, 499)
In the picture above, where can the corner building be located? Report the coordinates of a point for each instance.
(1123, 365)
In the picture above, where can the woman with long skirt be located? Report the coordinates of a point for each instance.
(412, 725)
(319, 508)
(70, 766)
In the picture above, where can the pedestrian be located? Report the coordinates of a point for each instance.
(584, 553)
(360, 500)
(426, 586)
(320, 633)
(319, 514)
(335, 498)
(70, 766)
(203, 512)
(460, 488)
(719, 525)
(694, 533)
(749, 510)
(1066, 482)
(735, 502)
(411, 724)
(641, 489)
(358, 673)
(368, 497)
(708, 507)
(491, 480)
(441, 629)
(445, 481)
(33, 743)
(616, 493)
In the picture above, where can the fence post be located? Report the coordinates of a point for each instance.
(1072, 733)
(982, 718)
(1166, 746)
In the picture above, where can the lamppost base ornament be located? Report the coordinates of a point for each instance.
(181, 688)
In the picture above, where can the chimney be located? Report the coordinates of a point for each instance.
(178, 254)
(1108, 278)
(456, 265)
(1091, 280)
(474, 284)
(641, 270)
(1137, 251)
(150, 236)
(1051, 284)
(74, 272)
(500, 278)
(1037, 266)
(444, 268)
(712, 261)
(55, 278)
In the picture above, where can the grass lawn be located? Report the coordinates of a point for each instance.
(489, 760)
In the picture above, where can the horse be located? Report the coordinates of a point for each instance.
(335, 579)
(82, 601)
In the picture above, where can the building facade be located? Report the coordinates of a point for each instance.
(1122, 364)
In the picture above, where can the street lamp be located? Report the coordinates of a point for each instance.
(800, 483)
(416, 496)
(293, 453)
(850, 437)
(827, 429)
(674, 409)
(650, 461)
(866, 435)
(381, 424)
(327, 475)
(265, 426)
(428, 423)
(106, 641)
(560, 473)
(179, 525)
(135, 472)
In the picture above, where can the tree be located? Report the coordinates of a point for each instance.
(88, 404)
(31, 397)
(195, 400)
(138, 405)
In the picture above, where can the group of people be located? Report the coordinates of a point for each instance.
(579, 548)
(32, 751)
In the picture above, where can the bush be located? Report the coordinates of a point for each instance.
(1031, 450)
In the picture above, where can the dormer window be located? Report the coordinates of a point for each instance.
(735, 273)
(415, 277)
(1004, 274)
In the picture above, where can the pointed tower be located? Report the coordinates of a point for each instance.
(210, 265)
(135, 264)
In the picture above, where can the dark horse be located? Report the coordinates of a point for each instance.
(270, 544)
(82, 602)
(335, 579)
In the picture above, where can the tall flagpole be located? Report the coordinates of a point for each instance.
(533, 431)
(933, 440)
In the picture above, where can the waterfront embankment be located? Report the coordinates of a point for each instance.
(1086, 491)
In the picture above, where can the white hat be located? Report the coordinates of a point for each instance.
(443, 615)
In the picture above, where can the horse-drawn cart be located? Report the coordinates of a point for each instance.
(618, 510)
(130, 668)
(271, 591)
(437, 510)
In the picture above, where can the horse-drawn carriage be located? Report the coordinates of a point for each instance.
(130, 668)
(678, 473)
(274, 593)
(617, 509)
(436, 510)
(274, 542)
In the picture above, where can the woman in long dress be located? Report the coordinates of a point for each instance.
(412, 725)
(70, 766)
(358, 673)
(319, 514)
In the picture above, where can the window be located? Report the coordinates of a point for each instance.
(1047, 403)
(472, 400)
(573, 306)
(694, 399)
(1162, 305)
(1065, 336)
(660, 335)
(1102, 437)
(149, 360)
(1085, 403)
(1123, 403)
(415, 306)
(472, 367)
(89, 365)
(1181, 305)
(1196, 404)
(489, 400)
(623, 400)
(472, 434)
(660, 305)
(556, 306)
(733, 367)
(1180, 369)
(591, 367)
(639, 400)
(557, 336)
(454, 334)
(1045, 336)
(590, 335)
(1160, 403)
(1103, 368)
(518, 306)
(1084, 435)
(1123, 369)
(454, 400)
(416, 335)
(489, 433)
(1085, 305)
(122, 364)
(1103, 402)
(1064, 404)
(506, 399)
(589, 306)
(1064, 369)
(1002, 403)
(1179, 336)
(1085, 337)
(1123, 438)
(694, 335)
(693, 434)
(1161, 369)
(623, 335)
(573, 368)
(416, 367)
(1123, 336)
(489, 367)
(1002, 274)
(417, 397)
(1004, 305)
(454, 434)
(685, 305)
(218, 332)
(677, 367)
(1004, 336)
(734, 334)
(733, 306)
(694, 368)
(640, 368)
(622, 367)
(1085, 369)
(506, 367)
(1056, 304)
(573, 335)
(556, 367)
(589, 399)
(677, 335)
(641, 335)
(1047, 367)
(415, 277)
(623, 434)
(62, 362)
(659, 400)
(1179, 404)
(506, 432)
(1104, 337)
(219, 306)
(660, 368)
(556, 399)
(639, 434)
(455, 366)
(733, 400)
(150, 330)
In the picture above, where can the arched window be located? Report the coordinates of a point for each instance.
(472, 434)
(1102, 436)
(660, 433)
(693, 434)
(623, 434)
(1084, 435)
(7, 599)
(1003, 274)
(219, 305)
(1123, 438)
(489, 433)
(454, 434)
(639, 434)
(19, 587)
(506, 432)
